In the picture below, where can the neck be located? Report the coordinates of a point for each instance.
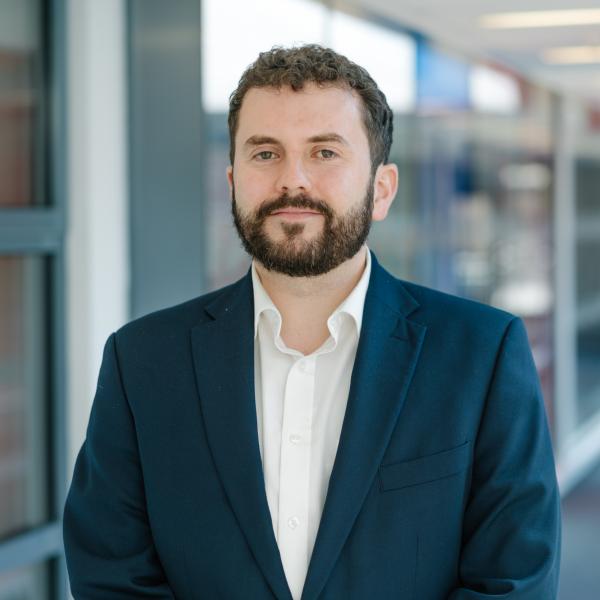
(305, 303)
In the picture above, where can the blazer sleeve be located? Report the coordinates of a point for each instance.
(511, 528)
(108, 541)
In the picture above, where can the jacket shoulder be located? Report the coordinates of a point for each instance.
(434, 303)
(171, 322)
(451, 318)
(431, 306)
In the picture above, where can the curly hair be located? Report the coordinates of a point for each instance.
(295, 66)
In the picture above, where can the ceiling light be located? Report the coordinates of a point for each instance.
(572, 55)
(541, 18)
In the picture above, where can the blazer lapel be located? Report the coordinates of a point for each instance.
(223, 349)
(387, 353)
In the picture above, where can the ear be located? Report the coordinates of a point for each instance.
(229, 172)
(386, 186)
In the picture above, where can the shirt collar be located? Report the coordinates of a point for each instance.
(262, 301)
(352, 305)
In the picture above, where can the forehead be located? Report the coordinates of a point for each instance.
(307, 112)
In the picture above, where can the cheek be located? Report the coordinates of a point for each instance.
(343, 190)
(249, 190)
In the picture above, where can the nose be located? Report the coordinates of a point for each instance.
(292, 177)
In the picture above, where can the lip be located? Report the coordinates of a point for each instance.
(295, 213)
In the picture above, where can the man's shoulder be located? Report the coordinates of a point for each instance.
(439, 303)
(463, 324)
(445, 311)
(174, 321)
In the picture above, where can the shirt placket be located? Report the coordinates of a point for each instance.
(295, 471)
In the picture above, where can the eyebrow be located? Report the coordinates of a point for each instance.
(328, 137)
(257, 140)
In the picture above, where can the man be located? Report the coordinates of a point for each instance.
(318, 429)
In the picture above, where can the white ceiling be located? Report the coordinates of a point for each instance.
(456, 23)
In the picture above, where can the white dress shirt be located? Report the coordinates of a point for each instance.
(300, 406)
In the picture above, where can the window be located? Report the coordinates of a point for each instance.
(31, 308)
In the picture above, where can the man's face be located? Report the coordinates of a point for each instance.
(301, 185)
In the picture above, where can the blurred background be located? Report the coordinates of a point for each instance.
(114, 203)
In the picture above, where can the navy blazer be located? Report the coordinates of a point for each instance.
(443, 486)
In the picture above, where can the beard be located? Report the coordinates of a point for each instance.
(341, 237)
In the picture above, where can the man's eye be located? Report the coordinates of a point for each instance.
(325, 153)
(264, 155)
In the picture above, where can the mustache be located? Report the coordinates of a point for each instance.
(301, 201)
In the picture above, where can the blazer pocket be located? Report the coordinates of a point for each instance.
(443, 464)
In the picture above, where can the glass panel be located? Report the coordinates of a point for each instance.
(31, 583)
(23, 435)
(587, 173)
(20, 110)
(588, 268)
(588, 370)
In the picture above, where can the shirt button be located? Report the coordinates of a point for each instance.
(306, 366)
(295, 439)
(293, 522)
